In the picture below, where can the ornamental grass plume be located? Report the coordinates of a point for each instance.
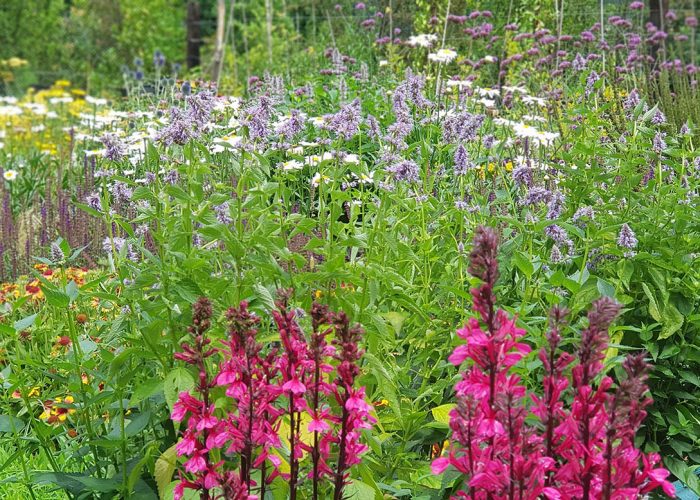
(296, 402)
(575, 440)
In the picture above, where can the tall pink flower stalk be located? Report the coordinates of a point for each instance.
(307, 382)
(582, 450)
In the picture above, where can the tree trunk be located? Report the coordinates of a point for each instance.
(218, 58)
(194, 38)
(657, 10)
(268, 24)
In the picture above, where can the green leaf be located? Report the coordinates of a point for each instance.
(672, 321)
(264, 296)
(8, 421)
(137, 424)
(25, 323)
(524, 264)
(683, 472)
(357, 490)
(442, 413)
(653, 306)
(72, 291)
(625, 271)
(605, 288)
(145, 390)
(164, 469)
(178, 380)
(396, 320)
(55, 297)
(188, 290)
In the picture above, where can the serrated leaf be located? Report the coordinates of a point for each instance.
(264, 296)
(164, 469)
(672, 321)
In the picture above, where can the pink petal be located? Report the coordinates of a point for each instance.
(439, 465)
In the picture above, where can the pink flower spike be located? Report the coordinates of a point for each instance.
(318, 425)
(187, 444)
(551, 493)
(196, 464)
(357, 402)
(459, 355)
(439, 465)
(294, 386)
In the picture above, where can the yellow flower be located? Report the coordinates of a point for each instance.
(16, 62)
(62, 83)
(34, 392)
(509, 166)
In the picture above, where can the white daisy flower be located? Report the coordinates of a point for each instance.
(529, 99)
(95, 101)
(318, 179)
(443, 56)
(10, 175)
(351, 159)
(488, 92)
(225, 143)
(534, 118)
(525, 131)
(292, 165)
(425, 40)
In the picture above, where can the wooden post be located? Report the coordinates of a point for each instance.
(194, 38)
(268, 25)
(218, 57)
(657, 10)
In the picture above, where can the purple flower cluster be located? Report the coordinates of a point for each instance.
(346, 122)
(405, 171)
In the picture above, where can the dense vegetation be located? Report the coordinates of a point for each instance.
(184, 261)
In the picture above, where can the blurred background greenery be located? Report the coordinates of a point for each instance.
(92, 42)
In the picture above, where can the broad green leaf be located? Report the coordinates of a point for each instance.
(164, 469)
(605, 288)
(178, 380)
(7, 422)
(137, 424)
(524, 264)
(357, 490)
(672, 321)
(25, 323)
(146, 390)
(442, 413)
(264, 296)
(396, 320)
